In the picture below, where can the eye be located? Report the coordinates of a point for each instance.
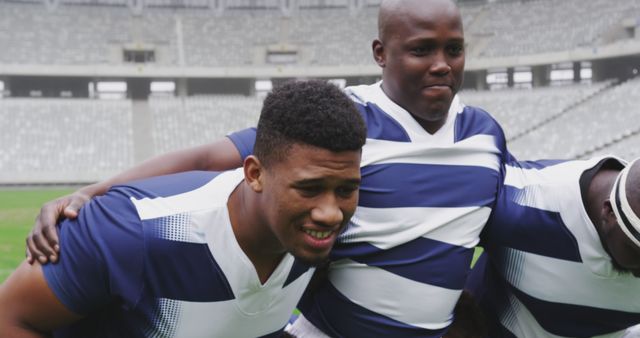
(421, 50)
(455, 50)
(346, 191)
(309, 190)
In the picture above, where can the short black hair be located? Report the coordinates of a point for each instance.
(311, 112)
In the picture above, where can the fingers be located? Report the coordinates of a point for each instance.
(71, 211)
(43, 242)
(51, 238)
(46, 226)
(33, 252)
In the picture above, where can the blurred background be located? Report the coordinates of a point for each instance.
(91, 87)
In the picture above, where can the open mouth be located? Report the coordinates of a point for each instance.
(318, 234)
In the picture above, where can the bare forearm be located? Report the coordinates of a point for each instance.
(28, 308)
(42, 242)
(19, 331)
(221, 155)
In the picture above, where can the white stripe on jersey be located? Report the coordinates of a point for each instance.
(375, 288)
(389, 227)
(572, 283)
(266, 306)
(522, 323)
(201, 198)
(464, 152)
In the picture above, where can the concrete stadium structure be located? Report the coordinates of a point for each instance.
(579, 59)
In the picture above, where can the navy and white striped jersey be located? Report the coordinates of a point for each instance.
(550, 275)
(400, 266)
(158, 258)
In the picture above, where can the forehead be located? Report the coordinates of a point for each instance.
(413, 16)
(310, 162)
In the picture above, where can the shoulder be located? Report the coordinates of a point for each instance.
(369, 100)
(471, 121)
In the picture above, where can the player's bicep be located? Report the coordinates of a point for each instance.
(222, 155)
(28, 307)
(243, 142)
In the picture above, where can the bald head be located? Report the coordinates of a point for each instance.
(393, 12)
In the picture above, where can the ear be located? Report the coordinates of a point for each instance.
(253, 173)
(607, 215)
(378, 52)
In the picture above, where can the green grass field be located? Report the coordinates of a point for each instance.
(18, 209)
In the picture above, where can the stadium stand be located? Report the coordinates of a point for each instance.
(520, 110)
(571, 121)
(532, 27)
(627, 147)
(80, 34)
(318, 35)
(180, 123)
(600, 120)
(63, 140)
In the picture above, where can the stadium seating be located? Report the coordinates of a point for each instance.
(519, 110)
(180, 123)
(603, 119)
(64, 140)
(81, 140)
(533, 27)
(627, 147)
(320, 35)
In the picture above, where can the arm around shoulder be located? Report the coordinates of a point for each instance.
(43, 242)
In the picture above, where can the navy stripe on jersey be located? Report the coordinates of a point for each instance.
(362, 322)
(380, 125)
(165, 259)
(475, 121)
(296, 271)
(537, 231)
(244, 141)
(427, 185)
(169, 185)
(573, 324)
(540, 164)
(447, 264)
(88, 246)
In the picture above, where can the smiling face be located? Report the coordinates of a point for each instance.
(308, 198)
(421, 51)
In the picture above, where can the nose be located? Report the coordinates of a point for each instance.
(440, 66)
(327, 212)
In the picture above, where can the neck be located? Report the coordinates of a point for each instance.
(254, 236)
(431, 126)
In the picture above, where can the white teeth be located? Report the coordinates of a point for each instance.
(318, 234)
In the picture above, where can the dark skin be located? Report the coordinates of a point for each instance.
(421, 52)
(29, 308)
(272, 213)
(625, 255)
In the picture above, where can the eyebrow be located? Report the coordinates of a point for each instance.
(310, 181)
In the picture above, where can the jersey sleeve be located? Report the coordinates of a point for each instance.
(101, 255)
(244, 141)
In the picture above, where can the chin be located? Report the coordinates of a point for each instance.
(312, 260)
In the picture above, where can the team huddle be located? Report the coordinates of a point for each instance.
(361, 208)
